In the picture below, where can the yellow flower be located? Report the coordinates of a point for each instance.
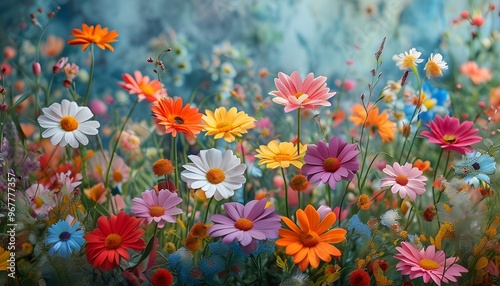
(227, 123)
(280, 154)
(435, 66)
(4, 256)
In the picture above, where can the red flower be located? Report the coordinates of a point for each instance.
(359, 278)
(162, 277)
(112, 240)
(450, 134)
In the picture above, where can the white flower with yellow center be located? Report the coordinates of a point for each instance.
(407, 60)
(435, 66)
(67, 123)
(217, 174)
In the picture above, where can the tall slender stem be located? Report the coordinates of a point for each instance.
(176, 170)
(298, 130)
(208, 209)
(435, 175)
(286, 193)
(86, 98)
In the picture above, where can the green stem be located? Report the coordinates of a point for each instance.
(298, 130)
(286, 193)
(106, 182)
(176, 170)
(47, 93)
(435, 175)
(329, 193)
(86, 98)
(342, 201)
(208, 209)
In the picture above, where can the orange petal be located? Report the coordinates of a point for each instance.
(326, 223)
(313, 216)
(291, 224)
(313, 258)
(303, 220)
(294, 248)
(333, 236)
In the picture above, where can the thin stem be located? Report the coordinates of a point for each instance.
(435, 175)
(176, 170)
(47, 93)
(342, 201)
(298, 130)
(86, 98)
(286, 193)
(106, 183)
(208, 209)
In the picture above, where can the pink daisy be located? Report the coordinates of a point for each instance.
(246, 224)
(159, 207)
(450, 134)
(294, 93)
(428, 264)
(406, 180)
(330, 162)
(151, 90)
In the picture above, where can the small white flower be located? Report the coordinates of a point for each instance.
(408, 59)
(67, 123)
(435, 66)
(216, 174)
(390, 218)
(227, 70)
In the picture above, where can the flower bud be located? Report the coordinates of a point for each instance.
(477, 21)
(37, 69)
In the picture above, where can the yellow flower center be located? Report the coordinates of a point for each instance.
(147, 89)
(243, 224)
(113, 241)
(408, 62)
(117, 177)
(433, 69)
(298, 94)
(156, 211)
(38, 202)
(331, 164)
(428, 264)
(402, 180)
(224, 126)
(215, 176)
(450, 139)
(310, 239)
(68, 123)
(282, 157)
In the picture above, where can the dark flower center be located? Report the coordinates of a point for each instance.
(64, 236)
(476, 166)
(178, 120)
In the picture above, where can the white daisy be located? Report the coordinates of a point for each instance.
(435, 66)
(216, 174)
(408, 59)
(67, 123)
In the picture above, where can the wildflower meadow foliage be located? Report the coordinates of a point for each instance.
(254, 176)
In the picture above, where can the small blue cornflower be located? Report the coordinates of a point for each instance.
(180, 255)
(359, 227)
(475, 167)
(224, 250)
(63, 238)
(265, 247)
(211, 265)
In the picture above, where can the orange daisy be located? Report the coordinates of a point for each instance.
(311, 242)
(93, 35)
(374, 120)
(177, 118)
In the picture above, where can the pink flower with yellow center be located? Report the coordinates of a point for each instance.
(151, 90)
(294, 93)
(405, 180)
(452, 135)
(160, 207)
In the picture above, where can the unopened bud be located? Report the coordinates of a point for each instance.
(477, 21)
(406, 130)
(404, 78)
(67, 83)
(149, 60)
(37, 69)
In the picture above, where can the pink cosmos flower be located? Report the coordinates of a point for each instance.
(330, 162)
(450, 134)
(41, 199)
(428, 264)
(405, 180)
(129, 141)
(294, 93)
(246, 224)
(476, 74)
(151, 90)
(71, 70)
(98, 164)
(161, 207)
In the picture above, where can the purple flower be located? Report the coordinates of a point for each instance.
(331, 162)
(246, 224)
(159, 207)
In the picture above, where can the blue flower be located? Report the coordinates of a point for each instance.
(64, 238)
(211, 265)
(224, 250)
(182, 256)
(475, 167)
(436, 102)
(356, 225)
(265, 247)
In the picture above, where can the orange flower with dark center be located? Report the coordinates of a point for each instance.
(93, 35)
(374, 120)
(177, 118)
(311, 242)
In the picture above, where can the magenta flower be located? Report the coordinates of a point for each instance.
(450, 134)
(331, 162)
(405, 180)
(246, 224)
(160, 207)
(428, 264)
(294, 93)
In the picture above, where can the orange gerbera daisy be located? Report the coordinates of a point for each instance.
(170, 113)
(311, 242)
(374, 120)
(93, 35)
